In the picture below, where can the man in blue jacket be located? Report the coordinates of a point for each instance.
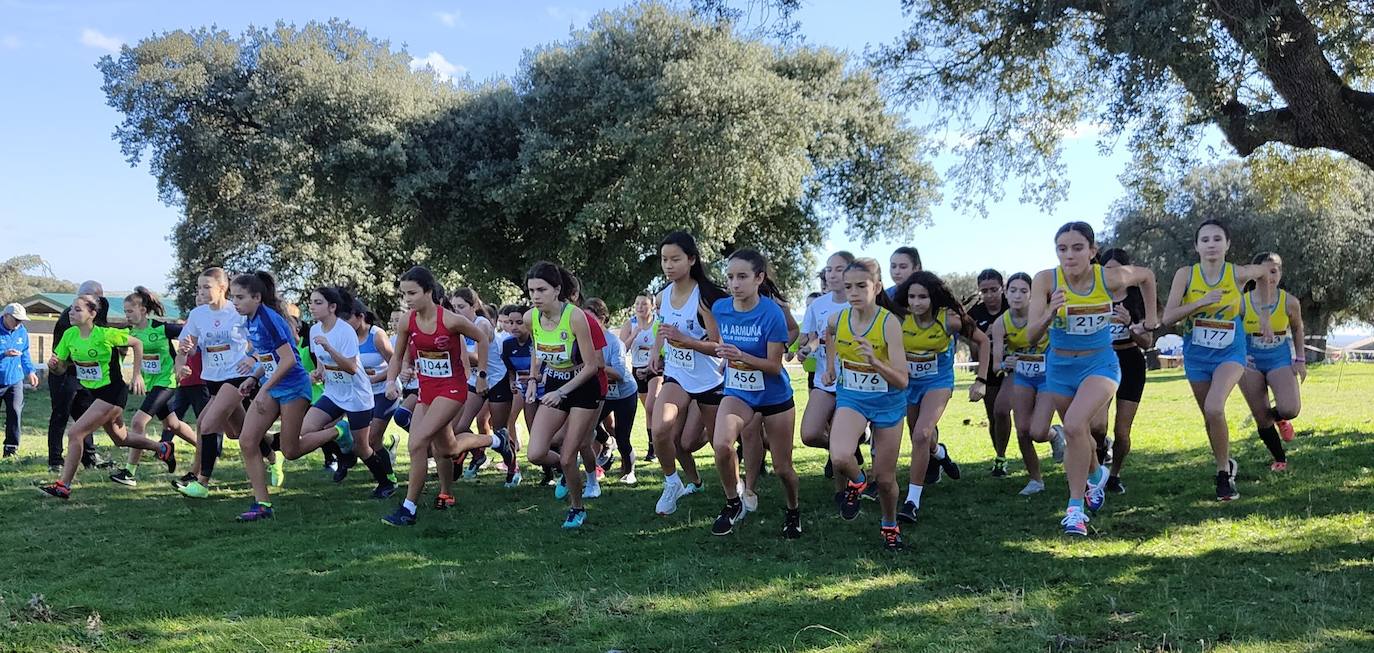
(16, 367)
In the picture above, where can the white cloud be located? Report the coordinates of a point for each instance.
(10, 42)
(436, 62)
(576, 17)
(450, 18)
(94, 39)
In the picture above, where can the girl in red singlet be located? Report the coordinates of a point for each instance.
(436, 337)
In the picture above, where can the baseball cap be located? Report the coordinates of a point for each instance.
(16, 311)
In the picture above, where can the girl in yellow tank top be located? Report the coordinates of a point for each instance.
(1276, 363)
(1013, 351)
(1206, 297)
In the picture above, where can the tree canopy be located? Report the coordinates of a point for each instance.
(318, 154)
(28, 274)
(1322, 225)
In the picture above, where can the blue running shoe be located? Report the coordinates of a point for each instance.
(401, 517)
(1075, 522)
(1096, 494)
(576, 517)
(384, 491)
(560, 491)
(256, 512)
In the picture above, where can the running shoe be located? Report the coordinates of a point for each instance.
(195, 490)
(401, 517)
(576, 517)
(547, 477)
(124, 477)
(909, 512)
(933, 472)
(606, 459)
(183, 480)
(1226, 483)
(55, 469)
(56, 489)
(100, 462)
(600, 472)
(650, 457)
(347, 462)
(479, 461)
(277, 471)
(999, 467)
(1277, 466)
(384, 491)
(1104, 452)
(731, 514)
(167, 453)
(1032, 487)
(750, 500)
(629, 478)
(560, 491)
(871, 491)
(1285, 429)
(1075, 522)
(256, 512)
(1114, 484)
(791, 524)
(849, 510)
(444, 502)
(947, 464)
(691, 488)
(667, 502)
(512, 479)
(331, 466)
(507, 453)
(10, 456)
(592, 489)
(892, 538)
(1057, 443)
(1096, 494)
(345, 436)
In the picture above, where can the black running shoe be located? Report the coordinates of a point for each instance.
(167, 453)
(347, 461)
(123, 477)
(892, 539)
(999, 468)
(1114, 484)
(383, 491)
(730, 515)
(791, 524)
(871, 490)
(947, 464)
(1226, 483)
(849, 508)
(548, 477)
(933, 472)
(908, 512)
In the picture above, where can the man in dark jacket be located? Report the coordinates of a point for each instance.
(69, 399)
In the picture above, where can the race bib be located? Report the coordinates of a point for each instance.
(219, 357)
(555, 355)
(1280, 340)
(88, 371)
(434, 364)
(1120, 331)
(152, 364)
(336, 376)
(269, 366)
(1030, 365)
(640, 358)
(1087, 320)
(921, 365)
(678, 357)
(740, 377)
(859, 377)
(563, 376)
(1213, 334)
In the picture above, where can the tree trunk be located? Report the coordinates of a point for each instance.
(1316, 322)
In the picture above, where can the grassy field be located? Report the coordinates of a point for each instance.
(1167, 568)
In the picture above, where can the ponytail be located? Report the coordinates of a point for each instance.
(147, 300)
(262, 284)
(341, 299)
(553, 275)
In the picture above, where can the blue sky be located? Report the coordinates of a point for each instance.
(67, 194)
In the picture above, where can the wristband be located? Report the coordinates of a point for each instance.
(481, 374)
(981, 380)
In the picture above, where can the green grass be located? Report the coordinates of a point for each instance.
(1286, 568)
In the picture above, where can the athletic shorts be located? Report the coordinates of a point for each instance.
(383, 408)
(916, 389)
(158, 402)
(1268, 359)
(114, 394)
(1133, 369)
(287, 394)
(881, 409)
(214, 386)
(642, 385)
(1063, 374)
(189, 398)
(588, 395)
(409, 392)
(1036, 383)
(357, 419)
(1200, 363)
(711, 397)
(498, 391)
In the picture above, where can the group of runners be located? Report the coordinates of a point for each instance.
(705, 363)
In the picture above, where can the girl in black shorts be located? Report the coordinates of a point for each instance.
(1130, 340)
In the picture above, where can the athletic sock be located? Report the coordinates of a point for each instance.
(331, 450)
(862, 479)
(402, 418)
(883, 523)
(168, 434)
(408, 505)
(913, 494)
(1076, 504)
(1269, 435)
(379, 464)
(497, 441)
(265, 448)
(672, 478)
(1095, 478)
(939, 453)
(209, 452)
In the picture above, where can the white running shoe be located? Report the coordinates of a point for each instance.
(691, 488)
(1057, 443)
(750, 500)
(1032, 487)
(592, 490)
(667, 502)
(629, 479)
